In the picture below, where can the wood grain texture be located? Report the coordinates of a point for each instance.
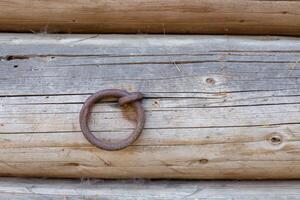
(217, 107)
(92, 189)
(271, 17)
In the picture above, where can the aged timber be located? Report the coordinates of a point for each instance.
(216, 106)
(270, 17)
(95, 189)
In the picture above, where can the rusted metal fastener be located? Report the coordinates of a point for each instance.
(124, 97)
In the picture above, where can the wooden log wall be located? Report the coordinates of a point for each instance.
(270, 17)
(217, 107)
(94, 189)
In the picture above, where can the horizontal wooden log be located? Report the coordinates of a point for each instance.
(270, 17)
(216, 106)
(93, 189)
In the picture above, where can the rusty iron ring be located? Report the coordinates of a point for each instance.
(124, 97)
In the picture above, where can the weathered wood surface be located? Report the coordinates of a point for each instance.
(216, 106)
(37, 189)
(152, 16)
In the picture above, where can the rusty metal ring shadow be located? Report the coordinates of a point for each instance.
(124, 97)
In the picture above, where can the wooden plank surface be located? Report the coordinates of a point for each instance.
(216, 106)
(152, 16)
(92, 189)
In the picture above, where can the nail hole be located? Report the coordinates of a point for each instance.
(15, 66)
(275, 139)
(156, 103)
(210, 81)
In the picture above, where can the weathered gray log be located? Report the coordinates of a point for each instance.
(94, 189)
(216, 106)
